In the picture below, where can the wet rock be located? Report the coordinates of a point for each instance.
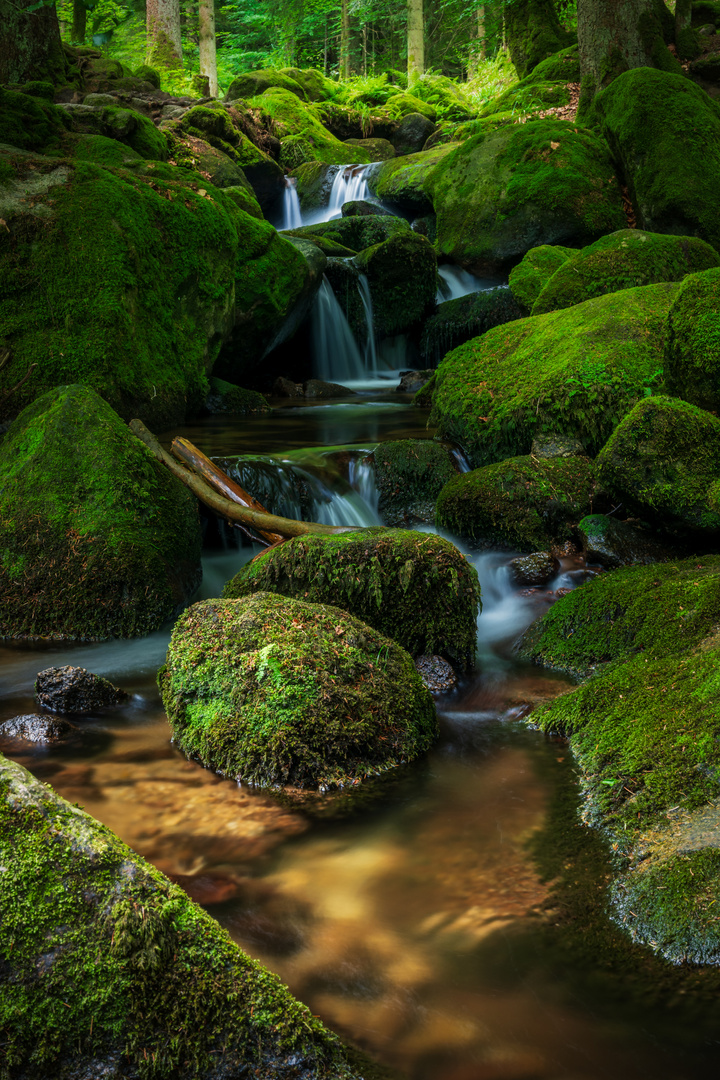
(409, 476)
(317, 388)
(36, 728)
(536, 569)
(615, 543)
(413, 132)
(464, 318)
(283, 387)
(363, 208)
(557, 446)
(412, 381)
(436, 673)
(75, 690)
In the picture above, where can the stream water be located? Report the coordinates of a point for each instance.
(448, 918)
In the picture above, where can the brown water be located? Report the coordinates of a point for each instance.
(452, 922)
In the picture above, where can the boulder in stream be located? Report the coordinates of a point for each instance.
(535, 569)
(36, 728)
(75, 690)
(107, 965)
(528, 279)
(416, 588)
(613, 543)
(276, 691)
(409, 476)
(460, 320)
(402, 276)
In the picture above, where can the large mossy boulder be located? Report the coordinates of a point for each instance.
(276, 691)
(251, 84)
(108, 966)
(356, 232)
(544, 182)
(303, 136)
(624, 260)
(30, 122)
(409, 476)
(523, 503)
(662, 461)
(124, 125)
(534, 33)
(460, 320)
(416, 589)
(402, 277)
(528, 279)
(692, 354)
(665, 135)
(402, 182)
(98, 540)
(575, 372)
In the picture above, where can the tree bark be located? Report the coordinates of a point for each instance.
(79, 26)
(345, 40)
(534, 33)
(617, 35)
(164, 43)
(208, 57)
(415, 39)
(30, 46)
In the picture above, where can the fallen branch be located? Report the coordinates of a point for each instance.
(231, 511)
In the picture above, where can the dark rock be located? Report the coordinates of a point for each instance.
(436, 673)
(316, 388)
(379, 149)
(464, 318)
(75, 690)
(363, 208)
(536, 569)
(225, 397)
(413, 132)
(283, 387)
(412, 381)
(402, 275)
(615, 543)
(409, 476)
(35, 728)
(557, 446)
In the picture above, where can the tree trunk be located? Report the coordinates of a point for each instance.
(683, 12)
(79, 25)
(615, 36)
(534, 33)
(208, 59)
(30, 46)
(164, 44)
(345, 40)
(415, 39)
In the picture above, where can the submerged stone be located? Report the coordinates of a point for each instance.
(75, 690)
(276, 691)
(415, 588)
(536, 569)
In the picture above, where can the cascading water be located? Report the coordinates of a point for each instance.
(336, 357)
(456, 282)
(361, 476)
(371, 360)
(350, 184)
(291, 216)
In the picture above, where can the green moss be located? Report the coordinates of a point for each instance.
(97, 538)
(529, 97)
(273, 691)
(656, 610)
(544, 182)
(44, 90)
(402, 276)
(528, 279)
(403, 181)
(523, 503)
(127, 126)
(457, 321)
(356, 233)
(624, 260)
(225, 397)
(665, 135)
(692, 355)
(316, 86)
(104, 958)
(416, 589)
(148, 74)
(103, 151)
(575, 372)
(402, 104)
(562, 66)
(534, 33)
(409, 476)
(30, 122)
(253, 83)
(291, 117)
(216, 125)
(446, 95)
(705, 11)
(661, 461)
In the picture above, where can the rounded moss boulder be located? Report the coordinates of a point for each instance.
(571, 373)
(414, 588)
(30, 122)
(528, 279)
(276, 691)
(523, 503)
(409, 476)
(356, 232)
(661, 461)
(467, 317)
(624, 260)
(613, 543)
(664, 133)
(124, 125)
(403, 182)
(289, 116)
(402, 277)
(692, 355)
(252, 83)
(141, 973)
(523, 185)
(97, 538)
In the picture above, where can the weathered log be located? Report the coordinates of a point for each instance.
(184, 451)
(231, 511)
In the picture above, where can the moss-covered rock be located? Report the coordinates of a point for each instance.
(402, 104)
(562, 66)
(612, 543)
(402, 182)
(467, 317)
(416, 589)
(313, 183)
(624, 260)
(125, 125)
(527, 99)
(292, 117)
(224, 397)
(253, 83)
(534, 33)
(356, 232)
(216, 167)
(413, 131)
(402, 276)
(108, 967)
(521, 503)
(661, 461)
(544, 182)
(409, 476)
(575, 372)
(692, 354)
(30, 122)
(272, 690)
(100, 150)
(447, 95)
(528, 279)
(665, 135)
(378, 149)
(97, 539)
(316, 86)
(148, 74)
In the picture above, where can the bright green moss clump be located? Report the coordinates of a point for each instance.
(524, 503)
(292, 117)
(528, 279)
(661, 461)
(277, 691)
(402, 275)
(30, 122)
(414, 588)
(624, 260)
(574, 372)
(403, 181)
(692, 355)
(96, 538)
(106, 964)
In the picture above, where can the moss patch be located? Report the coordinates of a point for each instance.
(574, 372)
(274, 691)
(467, 317)
(416, 589)
(528, 279)
(409, 476)
(402, 276)
(30, 122)
(291, 117)
(692, 354)
(403, 181)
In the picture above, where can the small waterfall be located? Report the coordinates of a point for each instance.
(349, 185)
(336, 357)
(361, 475)
(371, 360)
(457, 282)
(291, 216)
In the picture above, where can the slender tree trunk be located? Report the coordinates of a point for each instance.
(415, 39)
(164, 44)
(365, 49)
(683, 12)
(30, 46)
(482, 51)
(325, 50)
(345, 40)
(208, 58)
(79, 25)
(615, 36)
